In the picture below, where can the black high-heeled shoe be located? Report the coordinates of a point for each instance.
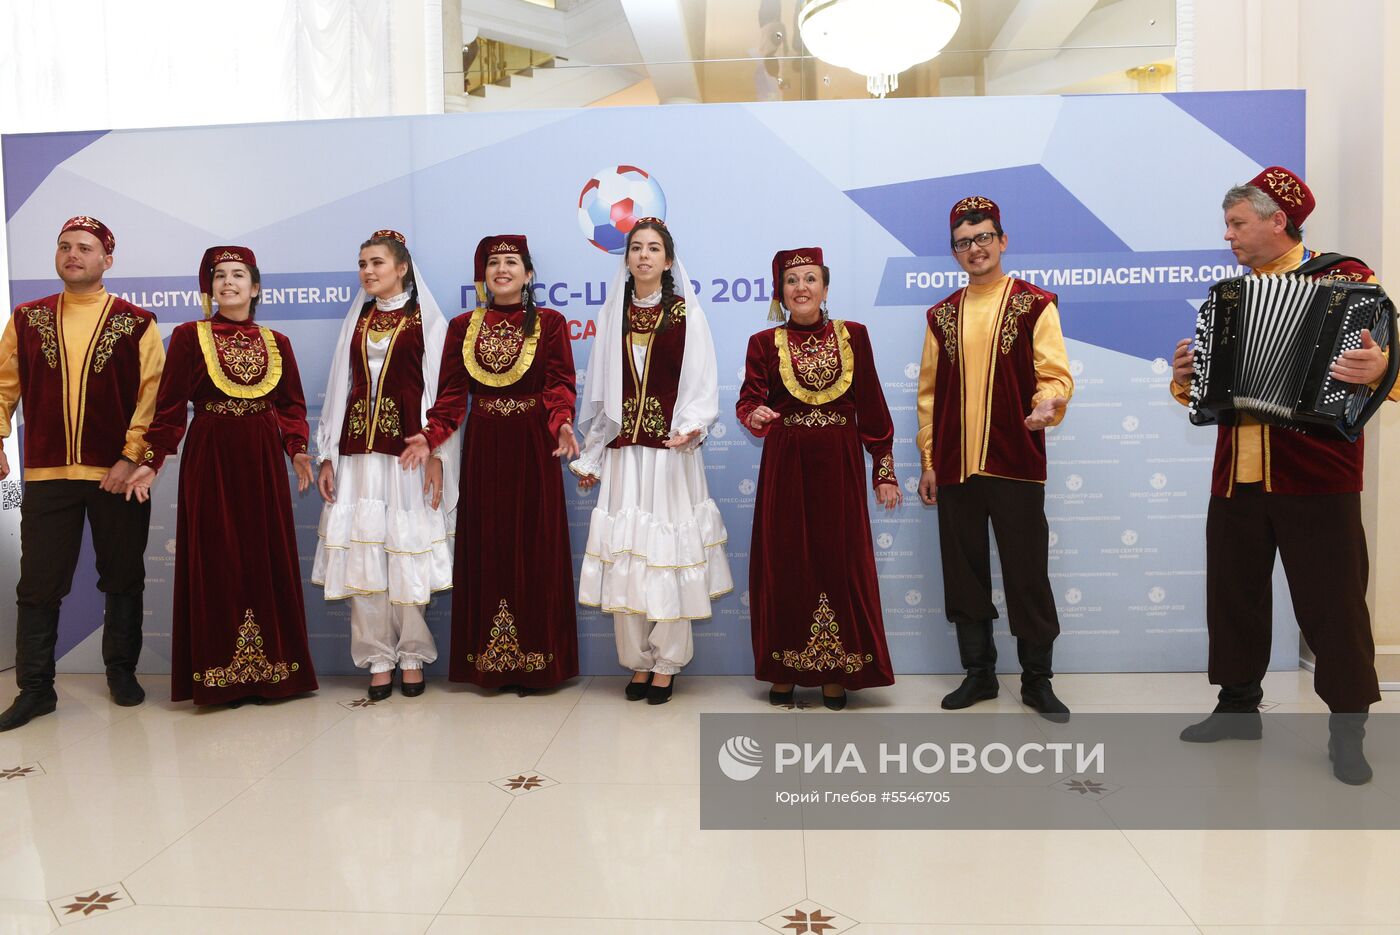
(412, 689)
(835, 702)
(658, 695)
(636, 691)
(780, 699)
(381, 692)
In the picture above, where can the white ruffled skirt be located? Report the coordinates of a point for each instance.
(381, 535)
(656, 539)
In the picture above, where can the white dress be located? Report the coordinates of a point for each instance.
(656, 538)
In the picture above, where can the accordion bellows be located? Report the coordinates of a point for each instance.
(1265, 345)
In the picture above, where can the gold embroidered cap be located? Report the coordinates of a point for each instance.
(93, 226)
(1288, 191)
(970, 204)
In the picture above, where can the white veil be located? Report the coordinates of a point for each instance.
(338, 386)
(697, 396)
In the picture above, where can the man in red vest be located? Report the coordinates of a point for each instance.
(995, 375)
(86, 365)
(1294, 493)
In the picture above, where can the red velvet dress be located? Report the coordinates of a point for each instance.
(814, 600)
(239, 626)
(513, 617)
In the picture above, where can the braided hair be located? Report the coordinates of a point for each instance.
(527, 296)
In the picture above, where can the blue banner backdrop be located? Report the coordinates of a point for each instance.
(1113, 202)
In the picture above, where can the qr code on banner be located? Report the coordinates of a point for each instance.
(11, 495)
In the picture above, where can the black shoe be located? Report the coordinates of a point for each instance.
(126, 691)
(1037, 668)
(977, 652)
(1039, 696)
(976, 686)
(1344, 749)
(248, 699)
(658, 695)
(1225, 725)
(27, 706)
(636, 691)
(381, 692)
(834, 702)
(412, 689)
(780, 699)
(1236, 716)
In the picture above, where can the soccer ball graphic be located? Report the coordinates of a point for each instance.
(613, 201)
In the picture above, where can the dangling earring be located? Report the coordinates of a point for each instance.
(826, 315)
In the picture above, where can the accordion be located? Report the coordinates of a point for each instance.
(1265, 345)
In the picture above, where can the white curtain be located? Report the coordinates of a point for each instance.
(108, 64)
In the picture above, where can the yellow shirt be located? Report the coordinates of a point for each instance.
(81, 313)
(1249, 433)
(981, 308)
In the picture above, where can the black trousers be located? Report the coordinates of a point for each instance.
(1323, 546)
(1016, 510)
(51, 536)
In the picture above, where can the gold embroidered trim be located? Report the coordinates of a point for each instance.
(824, 652)
(384, 321)
(41, 319)
(246, 361)
(120, 325)
(358, 419)
(1345, 277)
(653, 418)
(506, 405)
(1016, 306)
(506, 352)
(885, 470)
(1284, 187)
(946, 317)
(503, 652)
(387, 421)
(814, 419)
(250, 663)
(817, 370)
(644, 320)
(236, 407)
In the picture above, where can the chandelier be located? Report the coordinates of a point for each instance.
(878, 38)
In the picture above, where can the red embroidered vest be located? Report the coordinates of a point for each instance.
(95, 434)
(649, 392)
(379, 418)
(1009, 448)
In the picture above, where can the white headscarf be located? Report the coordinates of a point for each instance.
(338, 385)
(697, 396)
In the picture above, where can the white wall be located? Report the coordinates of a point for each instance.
(1346, 55)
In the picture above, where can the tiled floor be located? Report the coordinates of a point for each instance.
(576, 813)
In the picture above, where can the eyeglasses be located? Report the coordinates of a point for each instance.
(964, 244)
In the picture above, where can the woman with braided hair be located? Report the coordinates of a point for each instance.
(513, 620)
(655, 555)
(384, 531)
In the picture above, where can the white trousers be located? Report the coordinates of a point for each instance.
(643, 645)
(385, 635)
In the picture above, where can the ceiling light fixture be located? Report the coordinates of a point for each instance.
(878, 38)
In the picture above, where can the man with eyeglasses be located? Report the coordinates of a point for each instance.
(995, 375)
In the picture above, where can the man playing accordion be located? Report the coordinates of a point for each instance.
(1292, 492)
